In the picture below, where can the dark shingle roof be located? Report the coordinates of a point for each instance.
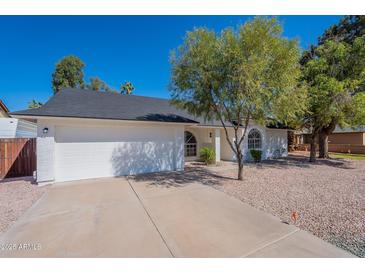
(80, 103)
(104, 105)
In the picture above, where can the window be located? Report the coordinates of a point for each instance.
(254, 139)
(190, 144)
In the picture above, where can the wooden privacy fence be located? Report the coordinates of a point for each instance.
(17, 157)
(342, 148)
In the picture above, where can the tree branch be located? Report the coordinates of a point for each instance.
(222, 122)
(247, 121)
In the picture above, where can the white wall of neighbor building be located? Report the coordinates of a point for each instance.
(82, 149)
(8, 127)
(17, 128)
(3, 113)
(26, 129)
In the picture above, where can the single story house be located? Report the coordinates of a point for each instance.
(345, 140)
(15, 128)
(88, 134)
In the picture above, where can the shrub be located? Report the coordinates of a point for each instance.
(256, 155)
(207, 155)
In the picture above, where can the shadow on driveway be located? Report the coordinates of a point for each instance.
(192, 174)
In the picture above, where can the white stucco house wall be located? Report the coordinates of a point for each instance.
(86, 134)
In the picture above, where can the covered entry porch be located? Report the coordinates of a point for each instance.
(195, 138)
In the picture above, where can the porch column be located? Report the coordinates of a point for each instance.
(179, 148)
(217, 144)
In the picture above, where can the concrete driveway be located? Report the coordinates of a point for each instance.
(144, 216)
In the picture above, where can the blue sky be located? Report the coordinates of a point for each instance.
(115, 48)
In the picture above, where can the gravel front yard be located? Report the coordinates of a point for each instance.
(328, 195)
(16, 196)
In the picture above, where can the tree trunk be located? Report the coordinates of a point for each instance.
(312, 157)
(240, 172)
(291, 140)
(323, 145)
(240, 166)
(323, 139)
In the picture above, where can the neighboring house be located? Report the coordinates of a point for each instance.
(347, 140)
(89, 134)
(4, 111)
(15, 128)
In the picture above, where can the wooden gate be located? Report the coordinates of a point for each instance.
(17, 157)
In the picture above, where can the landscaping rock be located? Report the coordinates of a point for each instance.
(16, 196)
(329, 195)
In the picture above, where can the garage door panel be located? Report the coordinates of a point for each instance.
(81, 152)
(111, 134)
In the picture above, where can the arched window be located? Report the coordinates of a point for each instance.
(254, 139)
(190, 144)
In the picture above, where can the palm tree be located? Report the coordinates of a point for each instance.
(127, 88)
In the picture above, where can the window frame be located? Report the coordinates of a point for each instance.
(190, 145)
(254, 142)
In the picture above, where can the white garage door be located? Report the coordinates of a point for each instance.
(92, 152)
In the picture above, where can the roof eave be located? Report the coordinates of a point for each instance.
(30, 116)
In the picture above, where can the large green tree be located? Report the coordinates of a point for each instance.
(347, 30)
(99, 85)
(240, 75)
(335, 76)
(68, 73)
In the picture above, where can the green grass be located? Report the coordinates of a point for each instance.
(347, 156)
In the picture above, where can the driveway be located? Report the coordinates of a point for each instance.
(149, 216)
